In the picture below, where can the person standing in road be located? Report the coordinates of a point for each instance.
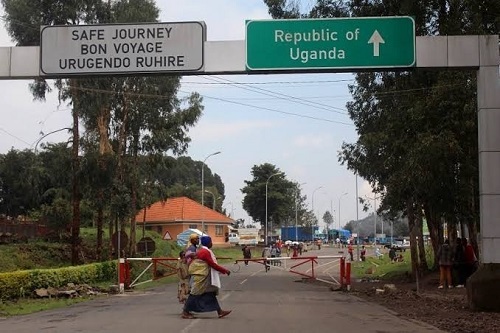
(350, 250)
(445, 257)
(266, 253)
(247, 254)
(204, 271)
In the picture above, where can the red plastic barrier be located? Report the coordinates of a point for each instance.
(348, 275)
(342, 272)
(124, 273)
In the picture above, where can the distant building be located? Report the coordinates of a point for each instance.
(171, 217)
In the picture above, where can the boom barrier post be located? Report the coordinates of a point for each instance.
(123, 275)
(342, 272)
(348, 275)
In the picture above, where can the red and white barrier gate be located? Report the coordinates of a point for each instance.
(294, 264)
(169, 264)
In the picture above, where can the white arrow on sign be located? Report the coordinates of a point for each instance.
(376, 40)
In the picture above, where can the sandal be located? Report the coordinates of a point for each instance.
(187, 315)
(224, 313)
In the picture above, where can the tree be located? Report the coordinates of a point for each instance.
(280, 195)
(22, 182)
(328, 220)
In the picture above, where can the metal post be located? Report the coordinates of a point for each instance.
(312, 205)
(296, 215)
(203, 190)
(296, 212)
(339, 206)
(357, 221)
(375, 218)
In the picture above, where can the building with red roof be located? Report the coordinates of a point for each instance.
(173, 216)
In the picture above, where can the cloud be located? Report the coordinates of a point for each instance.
(312, 141)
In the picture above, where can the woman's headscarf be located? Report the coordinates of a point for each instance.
(205, 240)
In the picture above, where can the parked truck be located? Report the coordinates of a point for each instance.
(301, 233)
(244, 236)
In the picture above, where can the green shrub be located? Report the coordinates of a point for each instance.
(23, 283)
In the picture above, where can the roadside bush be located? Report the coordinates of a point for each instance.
(23, 283)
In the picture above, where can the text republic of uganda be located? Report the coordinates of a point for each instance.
(135, 54)
(321, 35)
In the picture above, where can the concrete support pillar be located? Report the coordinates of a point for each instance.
(482, 287)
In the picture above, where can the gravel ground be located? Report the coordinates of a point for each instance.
(443, 308)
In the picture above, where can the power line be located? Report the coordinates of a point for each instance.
(277, 111)
(268, 82)
(214, 98)
(15, 137)
(288, 98)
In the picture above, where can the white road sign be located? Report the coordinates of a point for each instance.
(122, 48)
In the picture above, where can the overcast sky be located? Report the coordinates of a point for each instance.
(259, 129)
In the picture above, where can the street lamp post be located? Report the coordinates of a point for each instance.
(296, 212)
(375, 218)
(312, 206)
(203, 190)
(213, 197)
(231, 215)
(339, 205)
(357, 221)
(267, 183)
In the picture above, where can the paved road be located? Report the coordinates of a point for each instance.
(261, 302)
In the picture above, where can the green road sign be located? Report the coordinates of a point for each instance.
(340, 43)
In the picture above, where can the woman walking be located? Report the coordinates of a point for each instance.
(204, 272)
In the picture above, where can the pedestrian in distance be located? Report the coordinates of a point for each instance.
(247, 254)
(266, 253)
(459, 264)
(274, 254)
(194, 241)
(392, 254)
(362, 254)
(470, 259)
(445, 257)
(350, 250)
(206, 283)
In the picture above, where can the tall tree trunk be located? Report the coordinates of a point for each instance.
(75, 230)
(110, 244)
(122, 154)
(100, 224)
(105, 149)
(133, 225)
(413, 239)
(420, 234)
(435, 231)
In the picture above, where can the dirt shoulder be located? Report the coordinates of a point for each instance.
(443, 308)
